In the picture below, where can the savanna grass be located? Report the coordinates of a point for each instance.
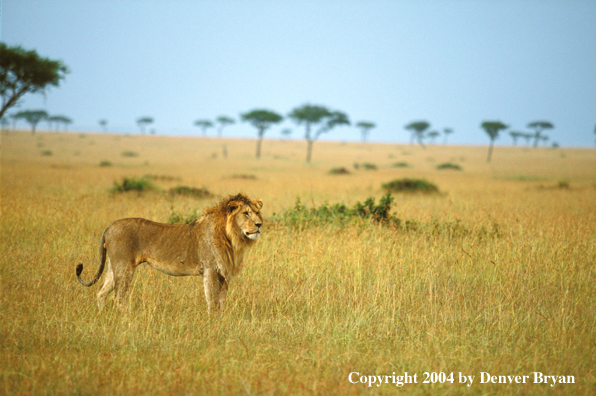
(493, 277)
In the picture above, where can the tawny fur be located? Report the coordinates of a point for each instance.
(212, 246)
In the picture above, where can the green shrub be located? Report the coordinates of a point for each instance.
(129, 154)
(339, 171)
(339, 213)
(105, 163)
(180, 218)
(561, 185)
(47, 153)
(243, 176)
(190, 191)
(448, 165)
(133, 184)
(411, 185)
(365, 165)
(401, 165)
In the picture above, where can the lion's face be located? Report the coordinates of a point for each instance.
(248, 219)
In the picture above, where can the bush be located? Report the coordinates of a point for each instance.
(180, 218)
(190, 191)
(133, 184)
(47, 153)
(366, 166)
(401, 165)
(411, 185)
(449, 166)
(339, 171)
(105, 163)
(129, 154)
(245, 177)
(340, 213)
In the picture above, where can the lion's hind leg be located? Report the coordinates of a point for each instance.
(108, 286)
(123, 273)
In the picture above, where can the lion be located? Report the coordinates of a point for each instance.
(212, 246)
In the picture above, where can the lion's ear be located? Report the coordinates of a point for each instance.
(232, 206)
(258, 203)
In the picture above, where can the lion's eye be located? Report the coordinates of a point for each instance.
(245, 213)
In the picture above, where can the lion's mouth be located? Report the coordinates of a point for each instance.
(253, 235)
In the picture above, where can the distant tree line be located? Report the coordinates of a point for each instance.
(492, 129)
(34, 117)
(418, 132)
(316, 120)
(24, 72)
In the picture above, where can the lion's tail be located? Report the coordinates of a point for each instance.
(102, 263)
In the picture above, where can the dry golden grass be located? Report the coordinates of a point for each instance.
(513, 295)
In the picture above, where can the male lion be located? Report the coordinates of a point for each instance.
(212, 246)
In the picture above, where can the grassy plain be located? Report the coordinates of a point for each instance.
(510, 293)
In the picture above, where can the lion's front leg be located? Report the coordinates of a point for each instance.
(212, 288)
(223, 291)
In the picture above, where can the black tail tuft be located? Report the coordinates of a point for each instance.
(79, 270)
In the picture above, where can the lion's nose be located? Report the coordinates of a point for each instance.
(259, 224)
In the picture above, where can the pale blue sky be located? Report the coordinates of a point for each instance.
(453, 63)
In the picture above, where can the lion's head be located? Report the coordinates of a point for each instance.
(243, 218)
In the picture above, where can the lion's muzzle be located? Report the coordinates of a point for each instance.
(255, 234)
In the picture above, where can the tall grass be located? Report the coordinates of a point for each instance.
(510, 292)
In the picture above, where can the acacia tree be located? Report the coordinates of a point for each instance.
(539, 127)
(433, 135)
(143, 122)
(4, 123)
(365, 127)
(527, 136)
(104, 124)
(492, 128)
(313, 115)
(417, 129)
(32, 117)
(262, 120)
(50, 120)
(57, 120)
(223, 122)
(286, 132)
(447, 132)
(204, 125)
(60, 119)
(515, 135)
(24, 71)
